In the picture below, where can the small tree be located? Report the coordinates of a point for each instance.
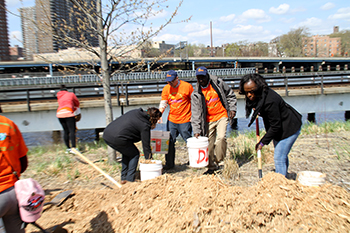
(291, 44)
(232, 50)
(119, 26)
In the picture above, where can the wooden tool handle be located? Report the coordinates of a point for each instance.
(97, 168)
(258, 152)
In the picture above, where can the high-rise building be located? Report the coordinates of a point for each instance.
(57, 19)
(4, 38)
(29, 32)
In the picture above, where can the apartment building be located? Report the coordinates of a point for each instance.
(4, 37)
(48, 21)
(29, 32)
(16, 53)
(322, 45)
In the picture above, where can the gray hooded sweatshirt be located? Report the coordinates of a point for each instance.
(198, 105)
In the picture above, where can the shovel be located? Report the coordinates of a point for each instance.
(57, 229)
(97, 168)
(258, 152)
(59, 199)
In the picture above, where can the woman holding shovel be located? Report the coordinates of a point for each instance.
(122, 133)
(282, 122)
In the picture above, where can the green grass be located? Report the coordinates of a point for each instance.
(53, 160)
(325, 127)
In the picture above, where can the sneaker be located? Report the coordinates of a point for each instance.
(209, 172)
(166, 167)
(74, 152)
(68, 151)
(213, 167)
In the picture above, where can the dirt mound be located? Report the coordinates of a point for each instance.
(203, 204)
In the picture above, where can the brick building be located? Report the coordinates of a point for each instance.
(16, 53)
(322, 45)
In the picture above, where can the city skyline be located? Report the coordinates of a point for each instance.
(231, 22)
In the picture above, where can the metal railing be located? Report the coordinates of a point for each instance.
(133, 77)
(119, 89)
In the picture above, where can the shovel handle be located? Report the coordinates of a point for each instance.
(259, 151)
(97, 168)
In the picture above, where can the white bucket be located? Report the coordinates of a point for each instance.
(310, 178)
(150, 170)
(198, 151)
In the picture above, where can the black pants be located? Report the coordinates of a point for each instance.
(130, 159)
(69, 126)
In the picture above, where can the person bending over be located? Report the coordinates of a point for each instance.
(122, 133)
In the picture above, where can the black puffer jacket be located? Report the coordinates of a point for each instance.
(132, 127)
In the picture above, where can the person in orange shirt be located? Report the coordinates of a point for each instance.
(176, 94)
(13, 162)
(212, 103)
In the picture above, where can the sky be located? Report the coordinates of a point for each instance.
(232, 21)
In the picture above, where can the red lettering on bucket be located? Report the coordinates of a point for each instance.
(205, 157)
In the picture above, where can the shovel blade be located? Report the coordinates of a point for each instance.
(61, 197)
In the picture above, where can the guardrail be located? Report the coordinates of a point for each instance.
(145, 87)
(133, 77)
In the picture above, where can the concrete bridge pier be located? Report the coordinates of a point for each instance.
(98, 132)
(311, 117)
(347, 115)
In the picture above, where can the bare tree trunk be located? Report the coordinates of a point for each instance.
(105, 78)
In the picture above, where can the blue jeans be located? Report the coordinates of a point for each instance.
(185, 130)
(282, 149)
(130, 160)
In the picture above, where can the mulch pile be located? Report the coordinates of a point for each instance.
(203, 204)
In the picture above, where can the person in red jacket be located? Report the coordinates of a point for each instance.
(68, 103)
(13, 162)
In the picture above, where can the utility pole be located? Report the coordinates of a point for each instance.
(211, 40)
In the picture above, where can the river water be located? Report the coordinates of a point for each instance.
(45, 138)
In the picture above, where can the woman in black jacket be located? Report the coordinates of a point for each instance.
(122, 133)
(282, 122)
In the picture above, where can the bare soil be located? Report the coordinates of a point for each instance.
(185, 200)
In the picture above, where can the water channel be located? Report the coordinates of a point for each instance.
(45, 138)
